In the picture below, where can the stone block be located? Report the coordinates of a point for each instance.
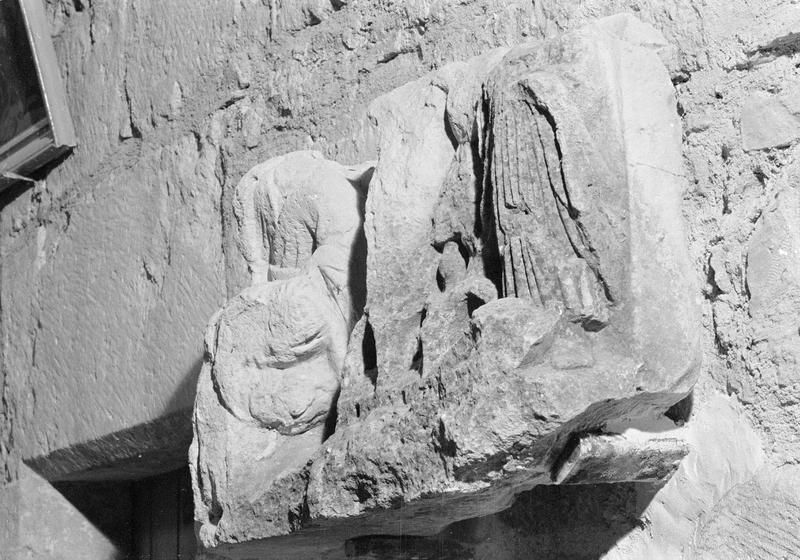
(773, 281)
(38, 523)
(109, 303)
(512, 305)
(770, 121)
(613, 459)
(757, 519)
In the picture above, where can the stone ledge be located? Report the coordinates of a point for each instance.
(144, 450)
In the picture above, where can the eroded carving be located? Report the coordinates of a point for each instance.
(547, 249)
(527, 285)
(278, 347)
(275, 351)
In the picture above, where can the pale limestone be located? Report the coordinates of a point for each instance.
(770, 121)
(506, 312)
(274, 353)
(225, 56)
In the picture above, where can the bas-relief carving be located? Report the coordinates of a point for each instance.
(278, 347)
(563, 192)
(539, 189)
(275, 351)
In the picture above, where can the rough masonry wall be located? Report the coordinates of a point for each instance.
(113, 265)
(113, 262)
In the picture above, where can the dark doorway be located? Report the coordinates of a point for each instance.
(149, 519)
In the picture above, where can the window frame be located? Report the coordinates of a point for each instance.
(51, 137)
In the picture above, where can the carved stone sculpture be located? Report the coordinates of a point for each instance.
(527, 288)
(275, 351)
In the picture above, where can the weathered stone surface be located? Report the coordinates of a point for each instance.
(514, 332)
(770, 121)
(111, 299)
(241, 80)
(773, 280)
(725, 452)
(38, 523)
(610, 459)
(274, 353)
(452, 401)
(267, 87)
(757, 520)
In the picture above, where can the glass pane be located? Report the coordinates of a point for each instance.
(22, 108)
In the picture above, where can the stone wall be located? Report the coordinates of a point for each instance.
(112, 263)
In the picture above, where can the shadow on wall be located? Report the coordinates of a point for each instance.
(579, 522)
(183, 397)
(129, 490)
(140, 451)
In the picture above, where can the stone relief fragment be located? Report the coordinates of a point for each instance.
(278, 347)
(275, 351)
(522, 286)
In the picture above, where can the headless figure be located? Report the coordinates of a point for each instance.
(278, 347)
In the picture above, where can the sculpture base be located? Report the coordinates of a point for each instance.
(411, 528)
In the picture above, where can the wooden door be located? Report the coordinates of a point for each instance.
(163, 525)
